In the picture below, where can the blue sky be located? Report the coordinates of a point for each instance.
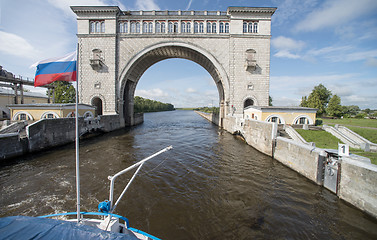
(333, 42)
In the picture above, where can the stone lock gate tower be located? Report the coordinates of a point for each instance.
(116, 47)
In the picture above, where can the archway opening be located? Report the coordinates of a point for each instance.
(248, 102)
(133, 72)
(97, 103)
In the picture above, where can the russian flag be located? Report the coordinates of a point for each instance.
(56, 69)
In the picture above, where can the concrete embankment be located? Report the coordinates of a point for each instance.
(355, 180)
(47, 133)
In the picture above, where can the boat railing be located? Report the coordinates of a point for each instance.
(139, 166)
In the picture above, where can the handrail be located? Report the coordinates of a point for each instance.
(88, 213)
(140, 164)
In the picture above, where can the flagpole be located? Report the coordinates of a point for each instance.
(77, 141)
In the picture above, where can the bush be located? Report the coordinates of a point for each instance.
(318, 122)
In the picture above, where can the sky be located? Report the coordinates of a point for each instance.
(329, 42)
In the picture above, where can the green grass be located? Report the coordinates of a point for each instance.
(370, 134)
(322, 139)
(371, 155)
(361, 122)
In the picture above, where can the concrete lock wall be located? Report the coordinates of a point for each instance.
(357, 185)
(48, 132)
(109, 123)
(11, 145)
(260, 135)
(214, 118)
(305, 159)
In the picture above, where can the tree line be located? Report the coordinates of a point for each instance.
(330, 105)
(147, 105)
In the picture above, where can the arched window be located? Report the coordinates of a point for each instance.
(201, 27)
(213, 27)
(170, 27)
(183, 27)
(250, 27)
(22, 115)
(145, 27)
(248, 102)
(49, 115)
(221, 27)
(196, 27)
(102, 26)
(245, 27)
(255, 27)
(303, 119)
(158, 27)
(88, 114)
(227, 27)
(138, 27)
(150, 27)
(209, 27)
(275, 119)
(163, 27)
(188, 27)
(133, 27)
(92, 27)
(98, 27)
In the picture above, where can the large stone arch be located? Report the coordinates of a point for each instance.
(135, 68)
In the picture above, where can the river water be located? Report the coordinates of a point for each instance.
(210, 186)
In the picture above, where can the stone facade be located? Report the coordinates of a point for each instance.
(116, 47)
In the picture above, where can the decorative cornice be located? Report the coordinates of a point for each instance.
(96, 9)
(269, 10)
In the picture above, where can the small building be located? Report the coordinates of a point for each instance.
(35, 112)
(282, 115)
(7, 97)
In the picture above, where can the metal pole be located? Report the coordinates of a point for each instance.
(77, 143)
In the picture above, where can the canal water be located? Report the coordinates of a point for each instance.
(212, 185)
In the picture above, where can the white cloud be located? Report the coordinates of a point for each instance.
(286, 47)
(286, 54)
(290, 10)
(146, 5)
(65, 4)
(190, 90)
(151, 94)
(13, 44)
(284, 43)
(372, 62)
(336, 12)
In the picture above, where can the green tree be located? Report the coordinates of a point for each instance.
(314, 101)
(269, 101)
(304, 102)
(318, 98)
(64, 92)
(334, 108)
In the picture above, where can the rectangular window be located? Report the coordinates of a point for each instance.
(201, 27)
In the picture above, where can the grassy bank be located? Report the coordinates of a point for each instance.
(323, 139)
(358, 122)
